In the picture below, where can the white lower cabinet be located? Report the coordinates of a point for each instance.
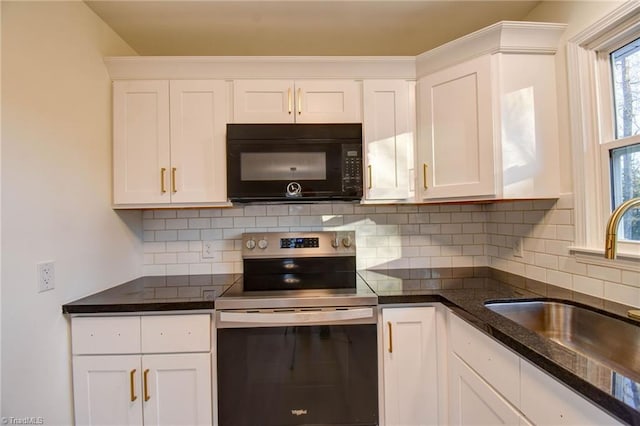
(474, 402)
(491, 385)
(170, 387)
(410, 366)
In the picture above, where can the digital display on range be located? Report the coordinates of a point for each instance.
(299, 242)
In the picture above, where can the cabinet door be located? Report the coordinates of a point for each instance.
(388, 138)
(456, 142)
(328, 101)
(199, 113)
(140, 142)
(177, 389)
(263, 101)
(473, 402)
(107, 390)
(410, 366)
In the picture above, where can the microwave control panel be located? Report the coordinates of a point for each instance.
(352, 167)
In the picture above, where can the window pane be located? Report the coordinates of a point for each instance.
(625, 63)
(625, 178)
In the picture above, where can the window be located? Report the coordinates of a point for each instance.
(624, 157)
(604, 84)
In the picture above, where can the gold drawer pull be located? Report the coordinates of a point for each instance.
(173, 180)
(424, 176)
(146, 385)
(390, 337)
(132, 383)
(163, 187)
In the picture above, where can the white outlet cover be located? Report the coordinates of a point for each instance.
(46, 276)
(207, 250)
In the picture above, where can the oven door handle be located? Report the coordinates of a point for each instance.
(298, 317)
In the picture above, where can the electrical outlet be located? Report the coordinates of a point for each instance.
(207, 250)
(517, 247)
(46, 276)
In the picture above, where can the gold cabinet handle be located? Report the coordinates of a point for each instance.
(132, 383)
(289, 100)
(146, 385)
(370, 181)
(299, 101)
(173, 180)
(390, 337)
(163, 187)
(424, 176)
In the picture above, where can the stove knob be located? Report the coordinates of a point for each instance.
(347, 242)
(335, 242)
(262, 244)
(251, 244)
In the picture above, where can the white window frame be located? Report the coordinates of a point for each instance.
(592, 120)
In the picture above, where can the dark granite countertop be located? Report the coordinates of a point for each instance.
(464, 290)
(170, 293)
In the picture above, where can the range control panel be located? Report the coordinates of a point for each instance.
(298, 244)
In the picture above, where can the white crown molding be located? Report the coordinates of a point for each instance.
(503, 37)
(236, 67)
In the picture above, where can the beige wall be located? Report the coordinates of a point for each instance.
(578, 15)
(56, 186)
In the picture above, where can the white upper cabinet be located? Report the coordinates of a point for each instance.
(487, 122)
(389, 122)
(169, 142)
(141, 155)
(198, 137)
(456, 143)
(297, 101)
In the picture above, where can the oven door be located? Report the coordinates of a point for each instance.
(297, 367)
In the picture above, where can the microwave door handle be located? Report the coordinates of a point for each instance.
(296, 318)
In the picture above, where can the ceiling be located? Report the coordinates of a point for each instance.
(299, 28)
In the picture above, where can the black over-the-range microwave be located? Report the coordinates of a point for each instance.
(294, 162)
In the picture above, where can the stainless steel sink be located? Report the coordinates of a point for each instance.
(609, 340)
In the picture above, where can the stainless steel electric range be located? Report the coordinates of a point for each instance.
(296, 337)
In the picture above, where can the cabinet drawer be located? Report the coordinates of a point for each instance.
(99, 335)
(498, 365)
(176, 333)
(562, 406)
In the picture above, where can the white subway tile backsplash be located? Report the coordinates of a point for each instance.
(188, 213)
(395, 236)
(200, 268)
(200, 223)
(166, 235)
(177, 269)
(188, 234)
(177, 246)
(153, 224)
(604, 273)
(222, 222)
(210, 212)
(622, 293)
(440, 217)
(631, 278)
(165, 214)
(233, 212)
(590, 286)
(189, 257)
